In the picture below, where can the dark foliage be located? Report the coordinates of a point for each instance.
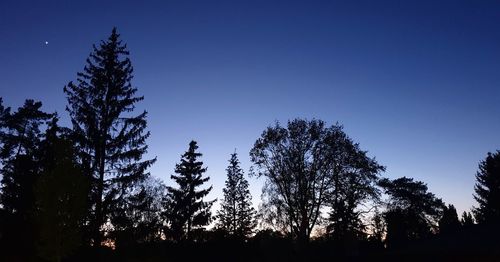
(412, 212)
(20, 158)
(61, 197)
(110, 141)
(487, 190)
(449, 221)
(84, 194)
(309, 167)
(354, 176)
(185, 208)
(467, 219)
(236, 216)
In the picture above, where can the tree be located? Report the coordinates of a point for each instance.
(20, 169)
(110, 141)
(412, 211)
(487, 190)
(354, 176)
(236, 216)
(139, 219)
(19, 157)
(377, 227)
(61, 197)
(4, 114)
(467, 219)
(300, 165)
(186, 209)
(449, 221)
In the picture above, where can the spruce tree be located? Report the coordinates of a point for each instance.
(110, 140)
(236, 216)
(186, 209)
(487, 190)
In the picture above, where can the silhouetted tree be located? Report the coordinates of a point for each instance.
(467, 219)
(449, 221)
(20, 158)
(378, 227)
(301, 163)
(487, 190)
(110, 141)
(236, 216)
(20, 168)
(138, 219)
(412, 212)
(61, 196)
(296, 183)
(4, 115)
(185, 208)
(354, 177)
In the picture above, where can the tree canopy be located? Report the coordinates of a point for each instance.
(412, 212)
(308, 167)
(487, 190)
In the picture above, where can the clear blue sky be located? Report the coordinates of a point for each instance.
(416, 83)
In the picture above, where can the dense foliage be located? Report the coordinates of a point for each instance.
(84, 193)
(236, 217)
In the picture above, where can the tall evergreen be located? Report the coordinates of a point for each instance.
(20, 169)
(19, 156)
(61, 195)
(186, 209)
(236, 216)
(487, 190)
(449, 222)
(467, 219)
(110, 140)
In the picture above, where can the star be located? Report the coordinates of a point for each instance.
(46, 42)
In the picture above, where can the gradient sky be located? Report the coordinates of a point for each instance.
(416, 83)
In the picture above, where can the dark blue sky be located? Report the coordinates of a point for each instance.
(416, 83)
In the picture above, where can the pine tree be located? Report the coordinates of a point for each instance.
(110, 141)
(19, 156)
(20, 169)
(467, 219)
(61, 195)
(449, 221)
(4, 113)
(487, 190)
(186, 209)
(236, 216)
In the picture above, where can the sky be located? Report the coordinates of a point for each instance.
(415, 83)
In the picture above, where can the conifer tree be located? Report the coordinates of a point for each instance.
(487, 190)
(467, 219)
(236, 216)
(110, 139)
(20, 169)
(412, 211)
(61, 195)
(449, 221)
(186, 209)
(20, 158)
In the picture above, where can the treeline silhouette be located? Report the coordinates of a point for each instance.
(83, 193)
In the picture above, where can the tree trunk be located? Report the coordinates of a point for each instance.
(99, 207)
